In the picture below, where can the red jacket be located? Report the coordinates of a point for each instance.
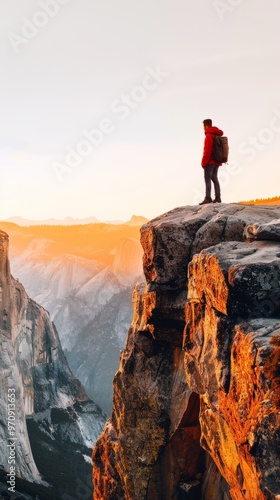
(208, 145)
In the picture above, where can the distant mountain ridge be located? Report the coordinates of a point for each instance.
(136, 220)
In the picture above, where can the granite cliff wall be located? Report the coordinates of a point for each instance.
(44, 409)
(196, 396)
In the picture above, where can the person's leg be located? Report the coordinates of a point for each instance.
(216, 183)
(208, 174)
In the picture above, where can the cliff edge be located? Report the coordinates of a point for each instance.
(197, 395)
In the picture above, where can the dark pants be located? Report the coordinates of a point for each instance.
(211, 174)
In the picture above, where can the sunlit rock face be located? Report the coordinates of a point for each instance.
(232, 354)
(196, 396)
(52, 413)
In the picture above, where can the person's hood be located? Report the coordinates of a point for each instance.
(214, 130)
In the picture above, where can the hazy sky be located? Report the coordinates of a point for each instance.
(102, 103)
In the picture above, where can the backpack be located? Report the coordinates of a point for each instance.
(220, 149)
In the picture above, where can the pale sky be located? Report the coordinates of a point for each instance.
(102, 103)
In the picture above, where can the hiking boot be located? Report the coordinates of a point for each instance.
(217, 200)
(205, 201)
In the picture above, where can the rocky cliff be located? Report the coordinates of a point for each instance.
(197, 396)
(47, 422)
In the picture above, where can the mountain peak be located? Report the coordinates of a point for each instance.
(137, 220)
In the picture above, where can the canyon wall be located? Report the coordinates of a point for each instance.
(44, 410)
(197, 396)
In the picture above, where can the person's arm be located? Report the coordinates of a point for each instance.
(207, 151)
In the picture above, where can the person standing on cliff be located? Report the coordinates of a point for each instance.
(209, 165)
